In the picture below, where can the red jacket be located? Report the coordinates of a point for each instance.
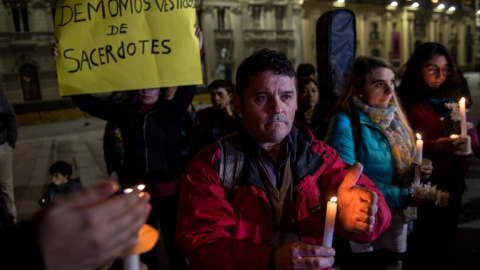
(215, 233)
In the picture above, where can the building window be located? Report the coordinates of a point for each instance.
(20, 19)
(224, 72)
(221, 18)
(30, 83)
(280, 17)
(256, 15)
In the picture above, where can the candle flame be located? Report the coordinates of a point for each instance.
(462, 100)
(130, 190)
(418, 136)
(333, 199)
(454, 136)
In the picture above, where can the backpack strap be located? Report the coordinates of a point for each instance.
(231, 163)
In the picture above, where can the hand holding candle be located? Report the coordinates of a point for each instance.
(357, 206)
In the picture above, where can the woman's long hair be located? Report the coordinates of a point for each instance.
(413, 88)
(363, 67)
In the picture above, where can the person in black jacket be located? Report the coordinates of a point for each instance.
(61, 172)
(8, 138)
(149, 124)
(214, 122)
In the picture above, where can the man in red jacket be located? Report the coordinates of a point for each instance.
(273, 216)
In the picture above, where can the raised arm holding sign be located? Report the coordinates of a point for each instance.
(147, 122)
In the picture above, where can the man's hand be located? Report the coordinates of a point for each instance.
(88, 228)
(357, 206)
(199, 35)
(300, 255)
(54, 51)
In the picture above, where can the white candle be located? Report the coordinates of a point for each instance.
(330, 222)
(419, 148)
(131, 262)
(463, 118)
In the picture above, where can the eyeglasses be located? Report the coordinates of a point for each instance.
(434, 70)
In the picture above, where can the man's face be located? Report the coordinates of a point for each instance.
(220, 98)
(149, 96)
(268, 108)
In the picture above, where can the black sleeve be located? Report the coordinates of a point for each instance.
(97, 107)
(19, 249)
(183, 98)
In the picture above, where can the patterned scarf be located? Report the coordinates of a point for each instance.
(397, 135)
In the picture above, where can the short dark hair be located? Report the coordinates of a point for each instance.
(61, 167)
(305, 70)
(259, 61)
(221, 84)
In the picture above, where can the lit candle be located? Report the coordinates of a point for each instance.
(463, 119)
(132, 262)
(419, 154)
(454, 136)
(330, 222)
(418, 159)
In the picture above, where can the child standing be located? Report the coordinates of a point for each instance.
(61, 172)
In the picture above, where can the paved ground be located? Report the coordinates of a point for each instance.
(81, 144)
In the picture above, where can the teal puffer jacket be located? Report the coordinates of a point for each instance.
(373, 151)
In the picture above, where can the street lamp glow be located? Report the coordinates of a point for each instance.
(452, 8)
(394, 4)
(341, 1)
(415, 5)
(441, 6)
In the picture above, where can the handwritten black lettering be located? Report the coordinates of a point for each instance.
(108, 50)
(88, 59)
(91, 57)
(143, 45)
(77, 63)
(66, 15)
(84, 59)
(164, 45)
(91, 8)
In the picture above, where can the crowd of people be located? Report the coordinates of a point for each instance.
(245, 183)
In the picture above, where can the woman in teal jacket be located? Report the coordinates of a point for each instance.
(371, 128)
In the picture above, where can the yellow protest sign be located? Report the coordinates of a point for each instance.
(114, 45)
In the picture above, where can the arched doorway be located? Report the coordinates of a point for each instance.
(30, 83)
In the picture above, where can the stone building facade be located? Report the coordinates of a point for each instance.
(233, 29)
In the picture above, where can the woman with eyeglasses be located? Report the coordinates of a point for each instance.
(431, 88)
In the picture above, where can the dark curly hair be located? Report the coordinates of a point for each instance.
(259, 61)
